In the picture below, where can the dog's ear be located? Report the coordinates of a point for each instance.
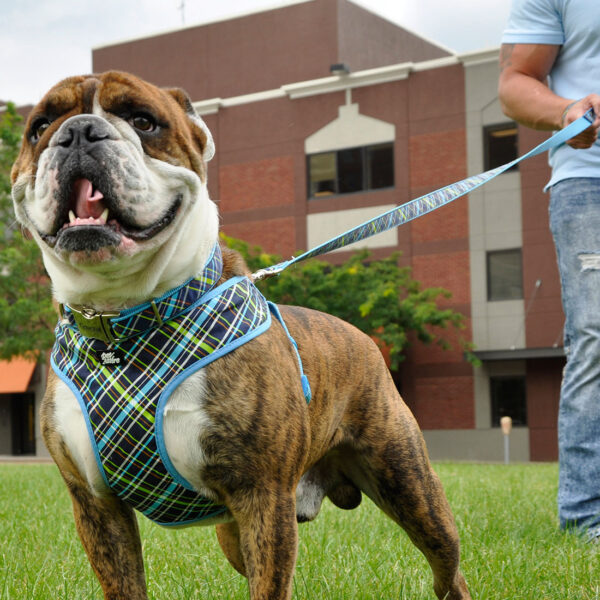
(208, 145)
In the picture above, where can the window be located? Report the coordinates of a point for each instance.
(504, 275)
(351, 170)
(322, 173)
(500, 145)
(508, 400)
(380, 167)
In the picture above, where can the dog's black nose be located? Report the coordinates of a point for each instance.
(83, 131)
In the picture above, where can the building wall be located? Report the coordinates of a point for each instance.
(495, 224)
(495, 215)
(265, 50)
(258, 175)
(229, 57)
(439, 383)
(545, 318)
(543, 388)
(367, 41)
(511, 212)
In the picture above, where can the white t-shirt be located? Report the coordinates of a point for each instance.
(575, 26)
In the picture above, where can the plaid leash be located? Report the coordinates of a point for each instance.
(123, 386)
(426, 204)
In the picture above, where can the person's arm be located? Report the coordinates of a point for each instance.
(526, 97)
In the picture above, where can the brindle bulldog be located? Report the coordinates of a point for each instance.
(111, 183)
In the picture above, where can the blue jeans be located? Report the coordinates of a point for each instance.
(575, 225)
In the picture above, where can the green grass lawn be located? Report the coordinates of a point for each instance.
(511, 548)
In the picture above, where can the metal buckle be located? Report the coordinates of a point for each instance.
(94, 324)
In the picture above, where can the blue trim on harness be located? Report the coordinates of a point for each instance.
(86, 417)
(303, 378)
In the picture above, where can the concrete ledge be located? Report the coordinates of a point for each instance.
(4, 459)
(477, 445)
(520, 353)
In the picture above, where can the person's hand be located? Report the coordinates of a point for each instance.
(577, 109)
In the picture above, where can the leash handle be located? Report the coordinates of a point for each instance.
(428, 203)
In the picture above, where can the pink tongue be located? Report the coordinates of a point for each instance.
(87, 202)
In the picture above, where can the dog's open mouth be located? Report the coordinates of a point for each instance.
(90, 222)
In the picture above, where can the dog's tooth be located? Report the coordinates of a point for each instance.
(72, 216)
(104, 216)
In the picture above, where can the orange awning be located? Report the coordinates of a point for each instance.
(15, 375)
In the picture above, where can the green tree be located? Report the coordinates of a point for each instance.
(27, 318)
(378, 297)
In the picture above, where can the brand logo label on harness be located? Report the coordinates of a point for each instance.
(111, 358)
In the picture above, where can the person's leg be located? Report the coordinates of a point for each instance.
(575, 225)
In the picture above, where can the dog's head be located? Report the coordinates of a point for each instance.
(111, 183)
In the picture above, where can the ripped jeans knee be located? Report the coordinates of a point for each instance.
(589, 261)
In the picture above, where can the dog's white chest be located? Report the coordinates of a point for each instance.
(185, 424)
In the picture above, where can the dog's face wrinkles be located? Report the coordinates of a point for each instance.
(110, 169)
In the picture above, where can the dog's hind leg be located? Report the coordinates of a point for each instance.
(392, 468)
(419, 505)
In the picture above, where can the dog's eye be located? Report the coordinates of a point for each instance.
(143, 122)
(38, 128)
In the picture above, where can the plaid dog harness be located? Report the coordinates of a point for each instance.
(123, 384)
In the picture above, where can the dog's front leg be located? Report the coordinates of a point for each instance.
(106, 525)
(109, 533)
(268, 542)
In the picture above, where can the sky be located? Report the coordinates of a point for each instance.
(44, 41)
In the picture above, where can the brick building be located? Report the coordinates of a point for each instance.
(306, 150)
